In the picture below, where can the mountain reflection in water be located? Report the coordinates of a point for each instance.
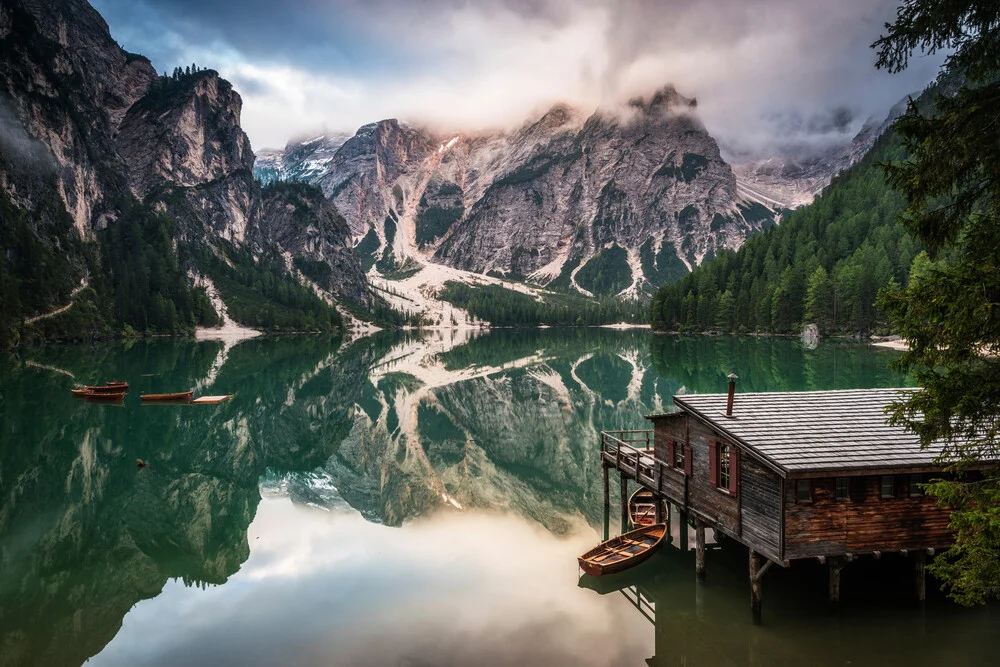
(425, 495)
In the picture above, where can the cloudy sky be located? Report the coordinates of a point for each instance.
(765, 72)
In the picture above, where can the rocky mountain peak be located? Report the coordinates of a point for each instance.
(184, 132)
(664, 100)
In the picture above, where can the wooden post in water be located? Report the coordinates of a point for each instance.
(607, 485)
(624, 489)
(699, 546)
(658, 512)
(836, 564)
(682, 529)
(758, 567)
(755, 576)
(919, 574)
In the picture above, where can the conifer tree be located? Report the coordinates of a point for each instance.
(949, 310)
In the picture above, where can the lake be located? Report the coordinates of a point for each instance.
(403, 499)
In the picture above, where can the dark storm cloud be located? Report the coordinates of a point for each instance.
(765, 71)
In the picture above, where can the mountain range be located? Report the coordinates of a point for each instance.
(134, 201)
(615, 201)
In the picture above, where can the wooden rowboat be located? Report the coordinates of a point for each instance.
(116, 383)
(622, 552)
(104, 396)
(107, 388)
(177, 397)
(642, 508)
(79, 392)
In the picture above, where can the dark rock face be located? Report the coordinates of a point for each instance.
(186, 137)
(297, 220)
(93, 128)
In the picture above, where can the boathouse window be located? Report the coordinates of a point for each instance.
(724, 467)
(888, 487)
(843, 488)
(803, 491)
(678, 455)
(915, 489)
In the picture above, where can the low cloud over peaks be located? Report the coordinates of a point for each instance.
(765, 73)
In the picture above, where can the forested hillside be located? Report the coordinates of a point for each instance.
(825, 263)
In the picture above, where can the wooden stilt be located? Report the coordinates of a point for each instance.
(682, 530)
(624, 490)
(607, 486)
(920, 575)
(658, 516)
(836, 565)
(699, 546)
(755, 576)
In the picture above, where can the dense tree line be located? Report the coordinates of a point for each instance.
(825, 263)
(260, 294)
(141, 283)
(505, 307)
(948, 309)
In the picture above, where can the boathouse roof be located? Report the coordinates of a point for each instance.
(813, 431)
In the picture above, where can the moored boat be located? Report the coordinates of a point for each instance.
(622, 552)
(105, 396)
(642, 508)
(107, 388)
(79, 392)
(176, 397)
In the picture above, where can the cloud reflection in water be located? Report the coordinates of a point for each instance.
(325, 588)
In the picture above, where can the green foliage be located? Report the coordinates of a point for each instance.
(504, 307)
(41, 262)
(141, 281)
(434, 221)
(366, 250)
(692, 165)
(607, 272)
(448, 189)
(82, 321)
(259, 294)
(754, 212)
(850, 231)
(562, 281)
(948, 309)
(315, 270)
(663, 266)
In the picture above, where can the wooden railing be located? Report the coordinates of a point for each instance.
(633, 454)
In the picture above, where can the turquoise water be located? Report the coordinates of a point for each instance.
(403, 499)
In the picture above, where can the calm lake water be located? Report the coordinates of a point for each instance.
(402, 500)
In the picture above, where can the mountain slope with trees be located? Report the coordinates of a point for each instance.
(118, 185)
(825, 263)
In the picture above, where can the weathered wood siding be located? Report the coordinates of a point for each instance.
(715, 504)
(760, 508)
(667, 429)
(866, 523)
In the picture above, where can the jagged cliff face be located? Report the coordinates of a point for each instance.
(65, 86)
(608, 203)
(185, 136)
(301, 223)
(96, 129)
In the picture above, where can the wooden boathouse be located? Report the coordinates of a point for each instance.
(791, 475)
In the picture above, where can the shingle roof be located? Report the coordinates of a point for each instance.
(811, 431)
